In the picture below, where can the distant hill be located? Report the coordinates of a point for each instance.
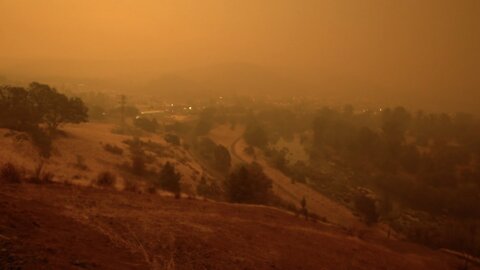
(228, 79)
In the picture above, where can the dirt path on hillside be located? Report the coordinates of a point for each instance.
(282, 184)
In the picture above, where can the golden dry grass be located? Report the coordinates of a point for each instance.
(87, 141)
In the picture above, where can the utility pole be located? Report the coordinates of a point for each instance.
(123, 101)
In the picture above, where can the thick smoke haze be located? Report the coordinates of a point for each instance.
(421, 53)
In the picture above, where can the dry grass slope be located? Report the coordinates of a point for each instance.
(66, 227)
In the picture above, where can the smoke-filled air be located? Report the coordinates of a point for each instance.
(240, 134)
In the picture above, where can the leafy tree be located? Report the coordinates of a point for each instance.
(31, 109)
(205, 121)
(150, 125)
(9, 173)
(169, 179)
(138, 156)
(395, 123)
(279, 158)
(206, 147)
(17, 111)
(203, 187)
(203, 126)
(366, 207)
(248, 184)
(209, 190)
(56, 109)
(255, 135)
(222, 158)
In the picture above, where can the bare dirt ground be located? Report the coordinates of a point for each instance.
(283, 185)
(55, 226)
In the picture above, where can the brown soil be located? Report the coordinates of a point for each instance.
(68, 227)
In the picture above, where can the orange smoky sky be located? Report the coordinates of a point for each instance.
(399, 47)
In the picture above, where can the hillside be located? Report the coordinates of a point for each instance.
(85, 144)
(56, 226)
(283, 186)
(71, 224)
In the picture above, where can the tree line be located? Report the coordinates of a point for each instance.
(39, 110)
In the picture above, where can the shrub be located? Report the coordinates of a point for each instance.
(138, 163)
(149, 125)
(80, 164)
(151, 189)
(131, 186)
(138, 156)
(43, 178)
(365, 205)
(170, 179)
(113, 149)
(208, 190)
(172, 139)
(9, 173)
(106, 179)
(47, 177)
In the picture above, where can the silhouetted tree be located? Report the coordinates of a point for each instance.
(9, 173)
(206, 147)
(169, 179)
(17, 111)
(209, 189)
(56, 109)
(366, 207)
(255, 135)
(150, 125)
(394, 125)
(203, 126)
(248, 184)
(222, 158)
(279, 158)
(40, 105)
(138, 156)
(205, 121)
